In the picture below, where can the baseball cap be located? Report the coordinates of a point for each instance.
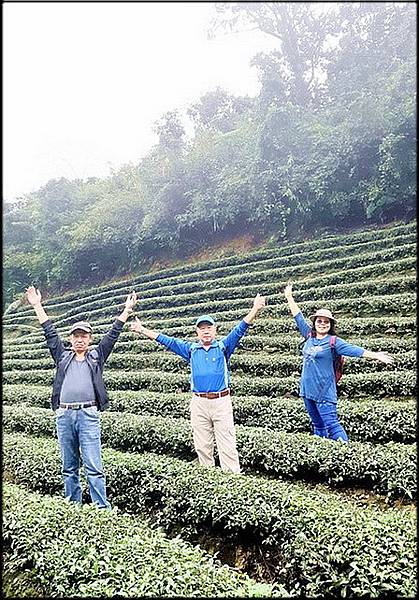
(205, 319)
(323, 312)
(83, 325)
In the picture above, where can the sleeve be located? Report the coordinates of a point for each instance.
(303, 327)
(54, 342)
(175, 345)
(232, 339)
(107, 342)
(346, 349)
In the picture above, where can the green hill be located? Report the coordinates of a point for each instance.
(308, 515)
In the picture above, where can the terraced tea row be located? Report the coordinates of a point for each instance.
(402, 383)
(400, 303)
(121, 555)
(272, 276)
(239, 287)
(359, 326)
(388, 469)
(310, 539)
(367, 419)
(337, 244)
(261, 364)
(289, 344)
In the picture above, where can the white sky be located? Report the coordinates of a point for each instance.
(84, 82)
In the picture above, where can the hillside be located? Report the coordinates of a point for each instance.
(307, 516)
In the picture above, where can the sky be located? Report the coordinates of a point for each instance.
(84, 82)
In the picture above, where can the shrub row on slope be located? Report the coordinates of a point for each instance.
(120, 555)
(318, 544)
(401, 304)
(276, 306)
(398, 235)
(388, 469)
(276, 276)
(275, 345)
(270, 283)
(261, 364)
(368, 419)
(402, 383)
(185, 328)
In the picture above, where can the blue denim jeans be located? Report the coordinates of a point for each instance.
(324, 419)
(78, 433)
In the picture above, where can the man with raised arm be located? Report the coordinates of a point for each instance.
(211, 408)
(78, 395)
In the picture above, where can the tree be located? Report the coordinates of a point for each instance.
(219, 110)
(303, 31)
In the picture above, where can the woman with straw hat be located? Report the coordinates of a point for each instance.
(318, 381)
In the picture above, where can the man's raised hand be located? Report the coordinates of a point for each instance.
(288, 291)
(259, 302)
(136, 325)
(33, 295)
(130, 301)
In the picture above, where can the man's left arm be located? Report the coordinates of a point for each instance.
(233, 338)
(106, 344)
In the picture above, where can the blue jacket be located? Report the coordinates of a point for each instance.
(95, 358)
(318, 377)
(209, 368)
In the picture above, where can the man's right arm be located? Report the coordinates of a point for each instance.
(177, 346)
(34, 298)
(138, 327)
(54, 342)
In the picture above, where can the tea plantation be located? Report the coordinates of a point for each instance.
(306, 517)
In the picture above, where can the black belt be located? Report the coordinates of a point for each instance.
(76, 405)
(212, 395)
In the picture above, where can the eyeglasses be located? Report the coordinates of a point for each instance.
(322, 321)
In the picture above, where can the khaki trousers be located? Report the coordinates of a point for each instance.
(214, 418)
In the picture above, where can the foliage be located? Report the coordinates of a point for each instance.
(329, 142)
(319, 544)
(369, 419)
(388, 469)
(70, 551)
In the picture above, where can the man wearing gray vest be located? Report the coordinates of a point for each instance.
(211, 408)
(78, 394)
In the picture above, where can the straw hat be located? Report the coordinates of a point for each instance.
(323, 312)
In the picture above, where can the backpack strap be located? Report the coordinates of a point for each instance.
(221, 345)
(194, 347)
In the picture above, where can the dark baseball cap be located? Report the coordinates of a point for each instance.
(81, 325)
(205, 319)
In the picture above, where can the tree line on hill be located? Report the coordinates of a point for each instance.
(329, 141)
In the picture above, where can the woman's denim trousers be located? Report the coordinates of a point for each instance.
(78, 432)
(324, 419)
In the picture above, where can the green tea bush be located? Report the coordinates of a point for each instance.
(398, 235)
(272, 327)
(322, 545)
(389, 469)
(402, 383)
(369, 419)
(288, 343)
(260, 364)
(73, 551)
(236, 288)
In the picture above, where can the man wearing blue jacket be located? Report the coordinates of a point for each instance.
(211, 408)
(78, 395)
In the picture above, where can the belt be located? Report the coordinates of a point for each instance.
(212, 395)
(76, 405)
